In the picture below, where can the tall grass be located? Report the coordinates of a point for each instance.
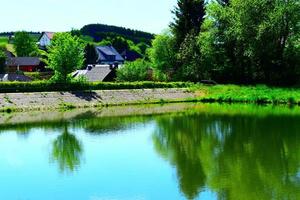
(249, 94)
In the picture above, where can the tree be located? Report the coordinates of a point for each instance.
(90, 54)
(189, 58)
(66, 54)
(134, 71)
(189, 15)
(2, 61)
(120, 44)
(162, 55)
(257, 40)
(25, 45)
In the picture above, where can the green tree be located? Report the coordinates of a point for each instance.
(66, 54)
(134, 71)
(143, 47)
(162, 55)
(120, 44)
(189, 59)
(25, 45)
(257, 40)
(189, 15)
(90, 54)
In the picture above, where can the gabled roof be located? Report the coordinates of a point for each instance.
(106, 51)
(14, 77)
(49, 35)
(8, 54)
(23, 61)
(95, 73)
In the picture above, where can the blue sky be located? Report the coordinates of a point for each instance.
(62, 15)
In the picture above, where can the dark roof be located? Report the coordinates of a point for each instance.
(95, 73)
(130, 55)
(23, 61)
(108, 54)
(8, 54)
(14, 77)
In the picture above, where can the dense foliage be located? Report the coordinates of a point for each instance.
(134, 71)
(66, 54)
(252, 41)
(162, 56)
(2, 61)
(232, 42)
(25, 45)
(101, 31)
(189, 15)
(90, 55)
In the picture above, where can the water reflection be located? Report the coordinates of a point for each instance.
(237, 157)
(67, 151)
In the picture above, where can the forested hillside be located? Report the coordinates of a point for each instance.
(101, 31)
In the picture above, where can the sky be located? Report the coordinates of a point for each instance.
(63, 15)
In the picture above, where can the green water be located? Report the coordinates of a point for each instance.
(199, 152)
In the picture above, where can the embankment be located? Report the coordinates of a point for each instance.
(97, 98)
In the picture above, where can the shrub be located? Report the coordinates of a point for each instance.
(134, 71)
(74, 85)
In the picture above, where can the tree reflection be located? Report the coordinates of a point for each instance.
(238, 157)
(67, 151)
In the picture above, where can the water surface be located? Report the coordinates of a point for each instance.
(201, 151)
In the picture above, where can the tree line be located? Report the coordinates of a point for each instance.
(231, 41)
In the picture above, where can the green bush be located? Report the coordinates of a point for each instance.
(134, 71)
(46, 86)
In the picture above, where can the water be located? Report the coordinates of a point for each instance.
(198, 152)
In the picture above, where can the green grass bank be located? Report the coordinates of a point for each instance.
(247, 94)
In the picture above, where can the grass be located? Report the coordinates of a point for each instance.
(3, 40)
(247, 94)
(37, 76)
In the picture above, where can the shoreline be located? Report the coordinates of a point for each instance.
(45, 101)
(42, 101)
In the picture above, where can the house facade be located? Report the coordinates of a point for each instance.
(25, 64)
(45, 39)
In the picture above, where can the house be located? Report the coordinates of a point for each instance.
(14, 77)
(8, 54)
(129, 55)
(25, 64)
(105, 73)
(108, 55)
(45, 39)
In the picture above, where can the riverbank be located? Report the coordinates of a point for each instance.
(247, 94)
(10, 102)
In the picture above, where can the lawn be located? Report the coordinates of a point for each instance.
(3, 40)
(260, 94)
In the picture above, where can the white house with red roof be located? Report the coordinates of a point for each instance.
(45, 39)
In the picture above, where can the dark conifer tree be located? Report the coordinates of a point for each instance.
(189, 15)
(90, 55)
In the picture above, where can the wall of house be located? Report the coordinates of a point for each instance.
(45, 41)
(13, 69)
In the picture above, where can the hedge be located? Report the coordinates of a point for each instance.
(46, 86)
